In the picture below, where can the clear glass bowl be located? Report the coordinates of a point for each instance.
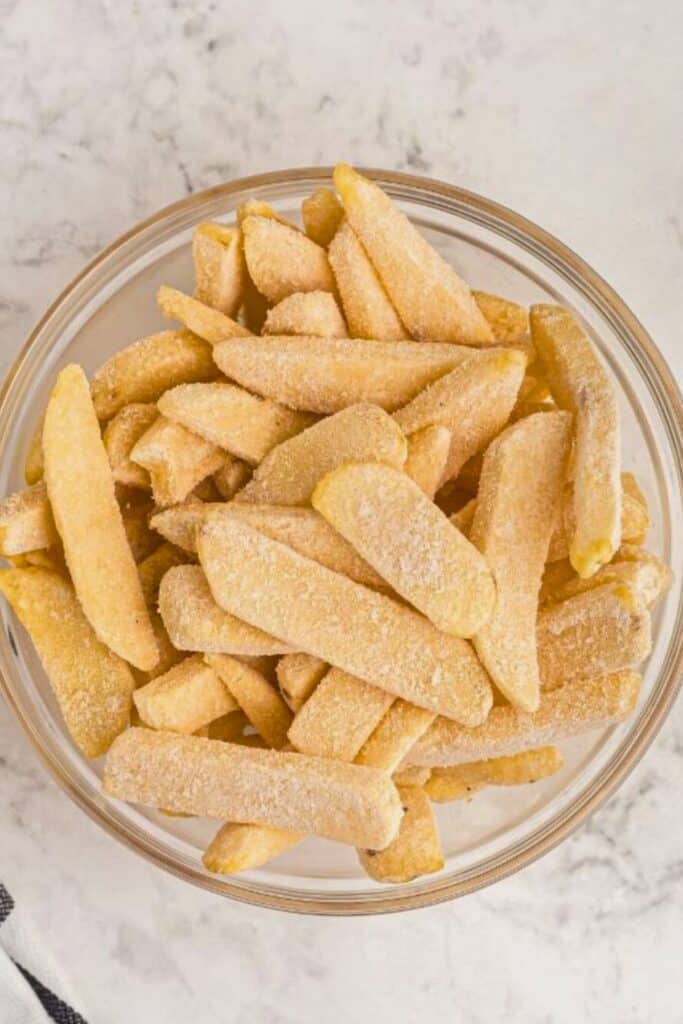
(112, 302)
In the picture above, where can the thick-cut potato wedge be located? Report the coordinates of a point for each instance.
(394, 526)
(195, 622)
(26, 522)
(183, 700)
(153, 569)
(179, 524)
(231, 418)
(144, 370)
(213, 779)
(238, 847)
(121, 435)
(81, 492)
(635, 521)
(282, 260)
(395, 736)
(288, 475)
(643, 573)
(508, 321)
(259, 208)
(578, 706)
(432, 301)
(519, 498)
(93, 686)
(601, 630)
(307, 313)
(474, 401)
(360, 631)
(328, 374)
(367, 307)
(338, 717)
(297, 676)
(514, 770)
(427, 457)
(33, 467)
(204, 321)
(220, 272)
(579, 383)
(261, 702)
(176, 459)
(415, 851)
(322, 214)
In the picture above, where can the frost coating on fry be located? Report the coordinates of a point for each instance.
(339, 716)
(415, 851)
(474, 402)
(432, 301)
(282, 260)
(514, 770)
(578, 706)
(231, 418)
(508, 321)
(356, 629)
(410, 543)
(120, 436)
(579, 383)
(519, 497)
(204, 321)
(427, 457)
(322, 214)
(290, 472)
(183, 700)
(176, 460)
(26, 522)
(219, 269)
(261, 702)
(237, 847)
(367, 307)
(93, 686)
(95, 546)
(144, 370)
(307, 313)
(395, 736)
(297, 676)
(212, 779)
(643, 573)
(328, 374)
(195, 622)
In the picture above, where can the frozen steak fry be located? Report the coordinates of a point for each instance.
(307, 313)
(432, 301)
(579, 383)
(183, 700)
(282, 260)
(26, 522)
(261, 702)
(409, 541)
(508, 321)
(219, 270)
(397, 733)
(121, 435)
(427, 457)
(322, 214)
(195, 622)
(93, 686)
(360, 631)
(367, 307)
(328, 374)
(81, 492)
(519, 497)
(213, 779)
(297, 676)
(290, 472)
(176, 460)
(643, 573)
(237, 847)
(415, 851)
(514, 770)
(204, 321)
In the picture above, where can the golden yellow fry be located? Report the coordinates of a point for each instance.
(121, 435)
(427, 457)
(634, 523)
(328, 374)
(136, 507)
(514, 770)
(288, 475)
(93, 686)
(641, 572)
(409, 541)
(397, 733)
(33, 467)
(176, 459)
(219, 269)
(232, 419)
(195, 622)
(578, 706)
(238, 847)
(26, 522)
(307, 313)
(415, 851)
(367, 307)
(519, 498)
(348, 625)
(508, 321)
(153, 569)
(432, 301)
(261, 702)
(213, 779)
(579, 383)
(338, 717)
(81, 492)
(259, 208)
(473, 401)
(411, 775)
(322, 214)
(179, 524)
(231, 477)
(297, 676)
(204, 321)
(282, 260)
(183, 700)
(144, 370)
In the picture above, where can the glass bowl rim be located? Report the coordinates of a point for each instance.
(595, 289)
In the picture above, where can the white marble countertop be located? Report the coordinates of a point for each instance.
(568, 112)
